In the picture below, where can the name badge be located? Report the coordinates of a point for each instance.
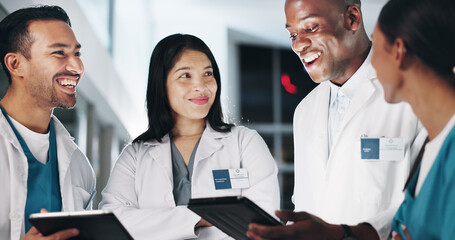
(386, 149)
(230, 178)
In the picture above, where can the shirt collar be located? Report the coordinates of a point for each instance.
(333, 92)
(350, 87)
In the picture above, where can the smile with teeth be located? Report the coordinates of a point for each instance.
(69, 83)
(312, 57)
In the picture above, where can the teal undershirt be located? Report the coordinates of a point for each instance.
(182, 175)
(43, 187)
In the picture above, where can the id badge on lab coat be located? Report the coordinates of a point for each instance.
(231, 178)
(385, 149)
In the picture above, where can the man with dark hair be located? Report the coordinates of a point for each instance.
(353, 151)
(41, 168)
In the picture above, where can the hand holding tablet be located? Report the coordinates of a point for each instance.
(93, 225)
(231, 214)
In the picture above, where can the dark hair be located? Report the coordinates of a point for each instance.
(427, 28)
(352, 2)
(163, 59)
(14, 35)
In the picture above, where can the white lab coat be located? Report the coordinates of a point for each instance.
(76, 176)
(340, 187)
(140, 187)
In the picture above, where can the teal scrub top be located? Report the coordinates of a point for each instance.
(431, 215)
(43, 187)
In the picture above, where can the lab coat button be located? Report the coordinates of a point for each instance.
(21, 171)
(14, 216)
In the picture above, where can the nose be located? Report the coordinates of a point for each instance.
(75, 65)
(199, 84)
(301, 43)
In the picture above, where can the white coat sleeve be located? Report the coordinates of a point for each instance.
(382, 221)
(262, 171)
(120, 197)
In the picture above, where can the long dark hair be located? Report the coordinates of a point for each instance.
(427, 28)
(14, 35)
(163, 59)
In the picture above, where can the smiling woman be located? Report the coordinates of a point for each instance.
(414, 57)
(187, 141)
(191, 87)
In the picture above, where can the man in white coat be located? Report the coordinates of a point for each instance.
(40, 165)
(353, 151)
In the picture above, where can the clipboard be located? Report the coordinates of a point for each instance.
(93, 225)
(231, 214)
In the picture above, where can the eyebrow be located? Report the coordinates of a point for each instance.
(63, 45)
(188, 68)
(304, 18)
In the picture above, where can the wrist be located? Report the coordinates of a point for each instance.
(335, 232)
(348, 234)
(365, 231)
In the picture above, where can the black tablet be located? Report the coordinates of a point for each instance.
(231, 214)
(93, 225)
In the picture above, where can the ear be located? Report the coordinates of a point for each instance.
(353, 17)
(13, 61)
(399, 49)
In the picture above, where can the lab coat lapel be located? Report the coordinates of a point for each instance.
(362, 96)
(6, 130)
(161, 152)
(321, 142)
(65, 150)
(209, 144)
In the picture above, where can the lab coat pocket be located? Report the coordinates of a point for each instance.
(375, 184)
(82, 198)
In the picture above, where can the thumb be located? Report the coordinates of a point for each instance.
(293, 216)
(285, 215)
(43, 210)
(33, 231)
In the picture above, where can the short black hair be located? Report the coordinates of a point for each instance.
(352, 2)
(14, 35)
(427, 29)
(163, 59)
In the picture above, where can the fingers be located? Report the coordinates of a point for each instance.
(286, 215)
(396, 236)
(272, 232)
(254, 236)
(203, 223)
(33, 233)
(64, 234)
(405, 231)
